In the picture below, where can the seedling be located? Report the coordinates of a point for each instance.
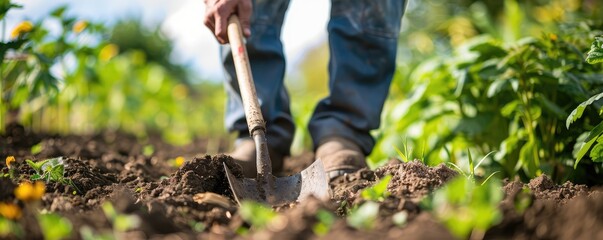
(54, 226)
(377, 192)
(52, 169)
(325, 221)
(465, 208)
(148, 150)
(471, 173)
(406, 156)
(35, 149)
(10, 229)
(257, 214)
(364, 216)
(121, 222)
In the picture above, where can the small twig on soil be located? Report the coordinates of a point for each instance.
(212, 198)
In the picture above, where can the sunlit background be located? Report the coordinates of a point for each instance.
(182, 22)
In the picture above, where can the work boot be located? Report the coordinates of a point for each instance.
(244, 155)
(340, 156)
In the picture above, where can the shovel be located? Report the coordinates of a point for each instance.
(266, 188)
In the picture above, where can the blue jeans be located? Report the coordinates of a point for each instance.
(363, 38)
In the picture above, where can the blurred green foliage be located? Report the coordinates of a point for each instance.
(87, 77)
(466, 208)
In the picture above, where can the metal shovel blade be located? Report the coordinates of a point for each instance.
(291, 189)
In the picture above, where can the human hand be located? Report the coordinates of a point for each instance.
(218, 11)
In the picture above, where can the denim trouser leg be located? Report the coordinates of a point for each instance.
(363, 37)
(268, 67)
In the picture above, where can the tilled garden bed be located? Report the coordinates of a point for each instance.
(159, 199)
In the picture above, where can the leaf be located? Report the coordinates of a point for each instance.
(54, 226)
(58, 12)
(377, 192)
(364, 216)
(595, 55)
(16, 44)
(35, 149)
(257, 214)
(57, 173)
(484, 158)
(488, 178)
(577, 112)
(35, 177)
(488, 50)
(148, 150)
(401, 154)
(551, 106)
(529, 158)
(596, 154)
(458, 169)
(37, 166)
(5, 6)
(510, 108)
(498, 86)
(588, 142)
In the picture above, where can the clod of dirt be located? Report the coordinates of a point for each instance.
(414, 180)
(544, 188)
(200, 175)
(551, 213)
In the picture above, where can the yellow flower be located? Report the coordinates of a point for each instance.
(27, 191)
(22, 28)
(10, 210)
(107, 52)
(80, 26)
(553, 36)
(9, 160)
(179, 161)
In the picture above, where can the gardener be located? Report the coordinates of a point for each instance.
(363, 38)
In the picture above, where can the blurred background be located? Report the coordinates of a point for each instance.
(474, 79)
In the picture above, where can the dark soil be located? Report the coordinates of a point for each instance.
(110, 168)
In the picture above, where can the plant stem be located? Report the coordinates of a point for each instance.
(2, 113)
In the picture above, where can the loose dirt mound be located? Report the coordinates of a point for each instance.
(177, 202)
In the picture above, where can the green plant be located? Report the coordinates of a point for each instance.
(10, 228)
(406, 156)
(378, 192)
(325, 221)
(148, 150)
(120, 222)
(54, 226)
(595, 55)
(471, 173)
(510, 97)
(256, 214)
(466, 209)
(363, 216)
(52, 169)
(38, 148)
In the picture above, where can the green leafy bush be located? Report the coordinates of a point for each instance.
(510, 98)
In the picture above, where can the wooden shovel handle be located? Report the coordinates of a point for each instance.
(253, 112)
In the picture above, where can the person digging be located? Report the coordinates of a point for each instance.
(363, 39)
